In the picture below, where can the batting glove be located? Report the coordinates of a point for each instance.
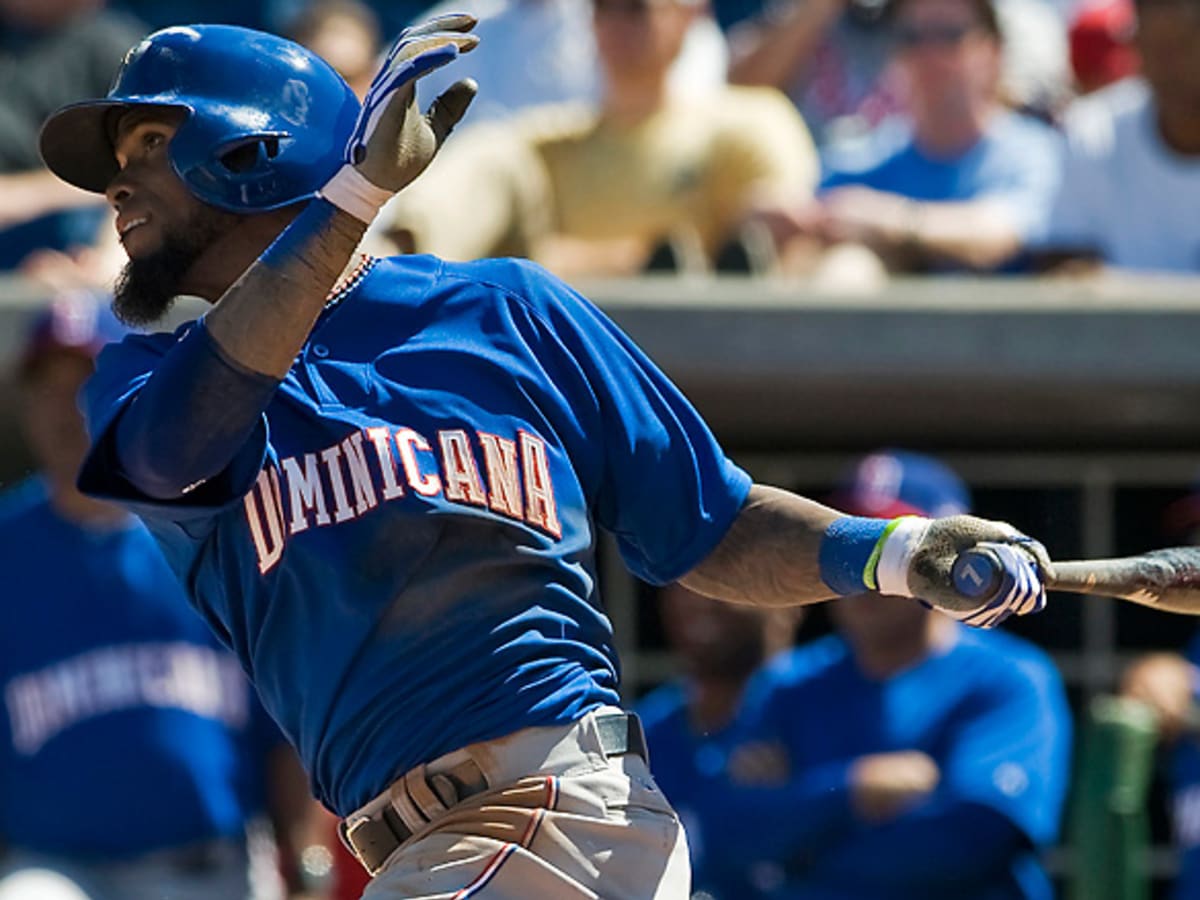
(917, 556)
(392, 143)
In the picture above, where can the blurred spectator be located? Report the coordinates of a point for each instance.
(1131, 177)
(51, 52)
(1169, 683)
(832, 58)
(345, 33)
(1101, 41)
(133, 752)
(595, 191)
(960, 180)
(534, 52)
(718, 647)
(926, 760)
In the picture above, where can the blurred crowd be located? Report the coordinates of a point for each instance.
(835, 141)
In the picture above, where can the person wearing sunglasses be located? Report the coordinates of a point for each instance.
(960, 179)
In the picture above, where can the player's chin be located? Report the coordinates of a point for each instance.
(142, 243)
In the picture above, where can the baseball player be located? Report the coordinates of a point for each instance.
(382, 480)
(132, 750)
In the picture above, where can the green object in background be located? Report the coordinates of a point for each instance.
(1109, 829)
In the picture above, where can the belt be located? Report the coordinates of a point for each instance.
(371, 839)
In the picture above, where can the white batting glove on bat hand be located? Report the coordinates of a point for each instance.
(393, 142)
(917, 558)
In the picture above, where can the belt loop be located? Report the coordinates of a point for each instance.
(405, 806)
(422, 794)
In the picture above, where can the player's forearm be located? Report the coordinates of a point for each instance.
(770, 556)
(264, 318)
(774, 52)
(978, 234)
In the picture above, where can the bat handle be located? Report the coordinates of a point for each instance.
(977, 574)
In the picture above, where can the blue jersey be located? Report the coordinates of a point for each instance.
(126, 727)
(685, 765)
(991, 712)
(402, 556)
(1185, 799)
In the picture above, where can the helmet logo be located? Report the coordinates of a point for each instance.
(296, 101)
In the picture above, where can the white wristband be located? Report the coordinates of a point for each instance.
(891, 572)
(350, 190)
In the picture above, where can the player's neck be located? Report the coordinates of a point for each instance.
(947, 133)
(886, 654)
(633, 100)
(227, 258)
(1181, 133)
(712, 703)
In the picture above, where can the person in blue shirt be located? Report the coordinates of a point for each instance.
(958, 180)
(382, 481)
(923, 760)
(133, 752)
(689, 721)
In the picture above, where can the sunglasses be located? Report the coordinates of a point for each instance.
(912, 37)
(627, 7)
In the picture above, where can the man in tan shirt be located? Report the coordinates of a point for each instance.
(595, 191)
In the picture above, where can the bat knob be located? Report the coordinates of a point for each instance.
(977, 574)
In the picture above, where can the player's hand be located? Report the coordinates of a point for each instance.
(884, 785)
(759, 763)
(392, 142)
(926, 560)
(1166, 682)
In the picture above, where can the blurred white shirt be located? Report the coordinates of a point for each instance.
(533, 52)
(1124, 192)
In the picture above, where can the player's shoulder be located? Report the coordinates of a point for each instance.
(20, 504)
(862, 154)
(550, 124)
(805, 664)
(141, 346)
(1014, 128)
(752, 104)
(661, 706)
(998, 656)
(1096, 125)
(507, 279)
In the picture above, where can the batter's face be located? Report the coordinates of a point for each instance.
(163, 228)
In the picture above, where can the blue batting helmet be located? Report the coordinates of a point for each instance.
(266, 120)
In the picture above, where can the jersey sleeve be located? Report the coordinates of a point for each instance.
(1011, 750)
(660, 482)
(122, 370)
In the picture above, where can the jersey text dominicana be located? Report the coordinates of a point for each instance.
(402, 556)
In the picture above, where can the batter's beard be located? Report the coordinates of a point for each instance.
(147, 287)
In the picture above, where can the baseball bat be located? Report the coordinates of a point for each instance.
(1167, 579)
